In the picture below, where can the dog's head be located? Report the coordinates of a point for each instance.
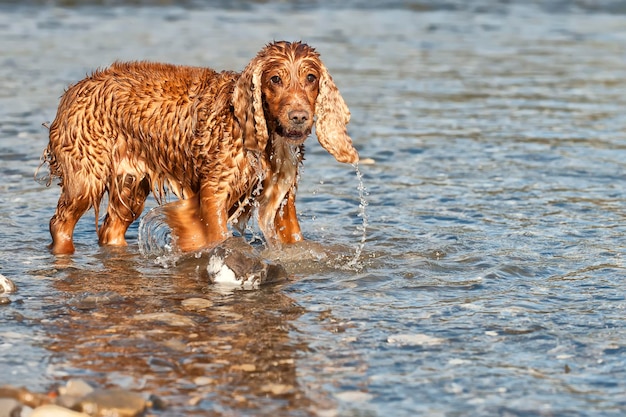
(285, 90)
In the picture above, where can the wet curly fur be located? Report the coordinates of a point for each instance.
(226, 144)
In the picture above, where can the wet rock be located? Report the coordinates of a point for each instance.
(9, 407)
(23, 395)
(277, 389)
(75, 399)
(52, 410)
(72, 392)
(156, 403)
(77, 387)
(246, 367)
(167, 318)
(196, 304)
(112, 402)
(88, 301)
(203, 380)
(6, 285)
(175, 344)
(236, 263)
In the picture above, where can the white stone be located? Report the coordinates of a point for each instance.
(414, 340)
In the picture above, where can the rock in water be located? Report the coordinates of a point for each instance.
(235, 263)
(112, 402)
(72, 392)
(51, 410)
(6, 285)
(10, 407)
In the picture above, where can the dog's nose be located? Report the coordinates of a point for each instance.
(298, 116)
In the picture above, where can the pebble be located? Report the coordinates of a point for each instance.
(9, 406)
(112, 402)
(277, 389)
(171, 319)
(76, 399)
(76, 388)
(6, 285)
(246, 367)
(23, 395)
(203, 380)
(89, 301)
(72, 392)
(196, 304)
(51, 410)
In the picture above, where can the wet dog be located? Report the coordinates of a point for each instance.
(226, 144)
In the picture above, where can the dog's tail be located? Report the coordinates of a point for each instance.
(46, 159)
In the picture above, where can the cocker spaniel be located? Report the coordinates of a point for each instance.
(226, 144)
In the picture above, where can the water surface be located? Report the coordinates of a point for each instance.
(491, 282)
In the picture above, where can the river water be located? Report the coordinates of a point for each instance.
(492, 277)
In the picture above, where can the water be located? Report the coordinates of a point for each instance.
(491, 278)
(154, 236)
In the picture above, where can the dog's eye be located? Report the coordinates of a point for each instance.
(275, 79)
(311, 78)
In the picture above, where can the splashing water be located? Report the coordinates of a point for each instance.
(154, 235)
(362, 228)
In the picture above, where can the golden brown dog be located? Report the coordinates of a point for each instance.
(226, 144)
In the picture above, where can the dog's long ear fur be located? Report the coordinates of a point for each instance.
(248, 107)
(332, 117)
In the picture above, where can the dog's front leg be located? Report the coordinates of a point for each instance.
(286, 221)
(214, 212)
(199, 221)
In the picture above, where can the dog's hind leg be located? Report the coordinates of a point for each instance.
(127, 197)
(69, 211)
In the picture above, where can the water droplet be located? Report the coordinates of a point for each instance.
(362, 228)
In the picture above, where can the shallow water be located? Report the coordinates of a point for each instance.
(491, 281)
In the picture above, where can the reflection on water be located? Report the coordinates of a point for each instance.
(200, 349)
(491, 278)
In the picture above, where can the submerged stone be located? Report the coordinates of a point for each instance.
(72, 392)
(112, 402)
(196, 304)
(52, 410)
(6, 285)
(236, 263)
(171, 319)
(9, 406)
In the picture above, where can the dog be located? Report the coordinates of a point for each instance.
(226, 144)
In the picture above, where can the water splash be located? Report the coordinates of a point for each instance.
(155, 238)
(154, 235)
(361, 229)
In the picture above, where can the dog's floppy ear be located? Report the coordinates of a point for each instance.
(332, 117)
(248, 107)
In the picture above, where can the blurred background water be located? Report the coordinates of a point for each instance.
(492, 278)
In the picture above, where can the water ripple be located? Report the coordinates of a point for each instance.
(489, 221)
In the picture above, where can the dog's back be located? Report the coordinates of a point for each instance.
(132, 128)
